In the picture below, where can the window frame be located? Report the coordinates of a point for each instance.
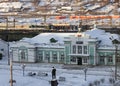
(110, 59)
(80, 49)
(74, 49)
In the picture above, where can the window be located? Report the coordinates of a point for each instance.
(85, 60)
(62, 57)
(22, 54)
(73, 59)
(47, 56)
(85, 49)
(80, 49)
(74, 49)
(54, 56)
(40, 56)
(110, 59)
(102, 59)
(118, 59)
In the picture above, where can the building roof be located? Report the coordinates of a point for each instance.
(99, 34)
(45, 37)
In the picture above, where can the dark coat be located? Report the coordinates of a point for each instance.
(53, 72)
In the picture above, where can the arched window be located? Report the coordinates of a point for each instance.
(22, 54)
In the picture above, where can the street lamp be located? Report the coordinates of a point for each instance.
(23, 67)
(11, 69)
(85, 71)
(7, 39)
(116, 43)
(11, 73)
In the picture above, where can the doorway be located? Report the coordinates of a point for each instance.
(79, 61)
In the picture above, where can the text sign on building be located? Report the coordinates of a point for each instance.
(79, 42)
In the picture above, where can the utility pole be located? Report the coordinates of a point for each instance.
(11, 73)
(119, 14)
(116, 48)
(116, 43)
(7, 38)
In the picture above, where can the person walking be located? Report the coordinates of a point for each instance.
(53, 73)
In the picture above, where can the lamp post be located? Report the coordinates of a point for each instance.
(119, 12)
(11, 73)
(85, 71)
(116, 43)
(23, 67)
(7, 38)
(116, 48)
(11, 68)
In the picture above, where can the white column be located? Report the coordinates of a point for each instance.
(94, 56)
(58, 56)
(65, 58)
(50, 56)
(76, 49)
(43, 56)
(113, 59)
(105, 60)
(82, 49)
(88, 60)
(94, 60)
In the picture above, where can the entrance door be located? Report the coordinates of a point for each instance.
(79, 61)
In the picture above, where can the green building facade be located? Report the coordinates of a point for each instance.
(77, 48)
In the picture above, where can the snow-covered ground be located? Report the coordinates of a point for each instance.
(73, 77)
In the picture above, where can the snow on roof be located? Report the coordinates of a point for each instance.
(93, 33)
(102, 35)
(26, 39)
(6, 6)
(11, 4)
(45, 37)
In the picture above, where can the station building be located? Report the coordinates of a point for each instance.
(92, 47)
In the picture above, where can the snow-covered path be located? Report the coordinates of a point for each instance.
(73, 77)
